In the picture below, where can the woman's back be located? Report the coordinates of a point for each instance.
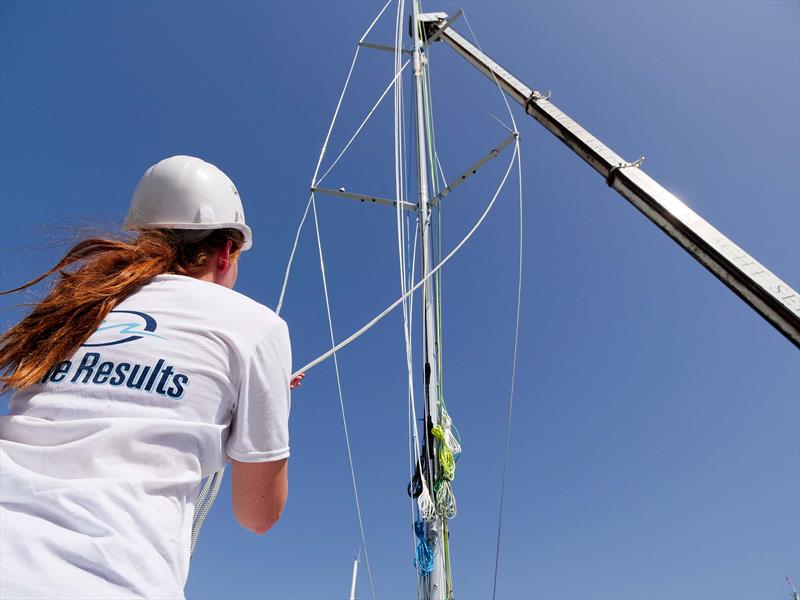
(102, 459)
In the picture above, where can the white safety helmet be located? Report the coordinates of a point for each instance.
(186, 193)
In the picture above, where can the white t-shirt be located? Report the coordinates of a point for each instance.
(101, 462)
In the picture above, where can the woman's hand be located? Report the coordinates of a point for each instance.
(295, 383)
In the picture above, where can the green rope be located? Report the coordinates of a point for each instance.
(446, 460)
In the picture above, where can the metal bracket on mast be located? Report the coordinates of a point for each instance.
(341, 193)
(493, 153)
(391, 49)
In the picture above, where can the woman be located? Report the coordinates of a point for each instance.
(140, 373)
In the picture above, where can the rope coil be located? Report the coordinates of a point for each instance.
(424, 554)
(446, 460)
(445, 499)
(425, 504)
(451, 437)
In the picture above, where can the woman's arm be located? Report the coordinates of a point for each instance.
(259, 493)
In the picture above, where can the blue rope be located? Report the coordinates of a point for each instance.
(424, 558)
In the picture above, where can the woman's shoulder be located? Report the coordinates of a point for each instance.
(216, 303)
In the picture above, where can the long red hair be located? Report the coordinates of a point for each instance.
(93, 277)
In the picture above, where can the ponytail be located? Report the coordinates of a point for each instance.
(93, 277)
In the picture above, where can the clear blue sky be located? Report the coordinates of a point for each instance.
(655, 449)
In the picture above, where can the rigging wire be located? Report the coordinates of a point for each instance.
(341, 396)
(210, 489)
(313, 205)
(364, 122)
(402, 245)
(422, 506)
(444, 503)
(441, 172)
(516, 328)
(291, 255)
(497, 83)
(322, 154)
(372, 322)
(513, 384)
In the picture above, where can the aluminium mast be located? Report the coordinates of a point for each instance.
(434, 586)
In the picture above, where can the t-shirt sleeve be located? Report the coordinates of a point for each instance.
(260, 423)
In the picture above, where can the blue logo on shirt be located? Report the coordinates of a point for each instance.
(121, 329)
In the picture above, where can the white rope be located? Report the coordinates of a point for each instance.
(450, 440)
(443, 504)
(513, 384)
(375, 20)
(341, 396)
(502, 95)
(516, 329)
(423, 505)
(291, 256)
(311, 203)
(203, 505)
(417, 285)
(399, 178)
(441, 171)
(322, 155)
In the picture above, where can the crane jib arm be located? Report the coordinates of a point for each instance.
(771, 297)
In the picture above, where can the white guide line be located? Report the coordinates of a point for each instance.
(341, 397)
(513, 382)
(494, 78)
(305, 368)
(516, 335)
(406, 269)
(312, 204)
(360, 127)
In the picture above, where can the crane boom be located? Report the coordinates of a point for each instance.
(771, 297)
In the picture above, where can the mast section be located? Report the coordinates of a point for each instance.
(434, 587)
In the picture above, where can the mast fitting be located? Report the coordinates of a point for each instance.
(431, 23)
(612, 174)
(536, 96)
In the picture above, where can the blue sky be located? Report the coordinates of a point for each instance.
(655, 448)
